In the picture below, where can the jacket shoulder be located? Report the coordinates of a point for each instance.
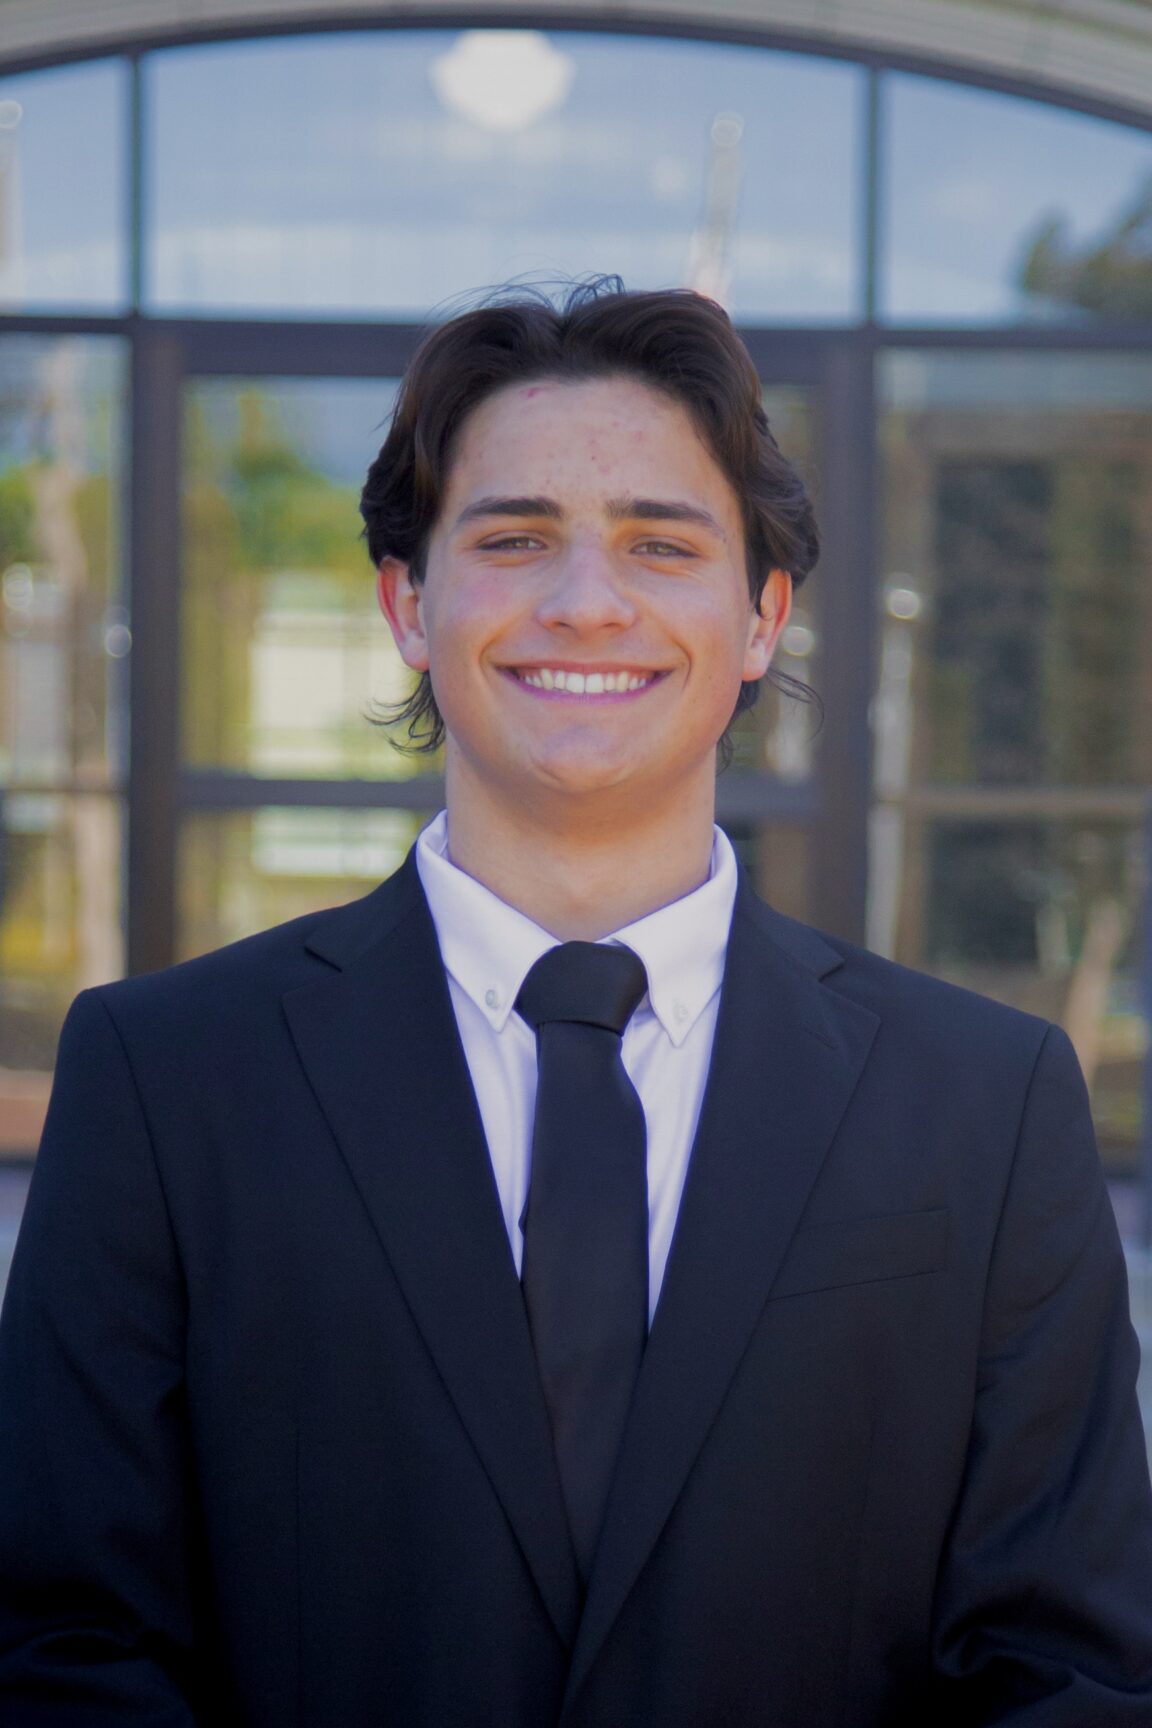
(915, 1006)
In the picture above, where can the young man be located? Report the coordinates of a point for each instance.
(558, 1289)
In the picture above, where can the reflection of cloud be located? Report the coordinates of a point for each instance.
(801, 275)
(573, 143)
(671, 178)
(403, 267)
(72, 273)
(937, 288)
(966, 198)
(388, 267)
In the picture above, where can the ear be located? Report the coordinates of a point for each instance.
(402, 605)
(766, 624)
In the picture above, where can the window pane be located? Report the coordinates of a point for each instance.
(246, 870)
(778, 736)
(286, 655)
(63, 630)
(63, 188)
(63, 641)
(59, 933)
(1017, 642)
(379, 174)
(996, 208)
(1043, 914)
(1013, 716)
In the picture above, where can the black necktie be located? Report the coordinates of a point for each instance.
(585, 1268)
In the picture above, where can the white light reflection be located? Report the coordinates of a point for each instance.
(503, 80)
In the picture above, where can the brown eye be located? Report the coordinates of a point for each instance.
(510, 543)
(664, 549)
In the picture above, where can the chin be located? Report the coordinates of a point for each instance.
(567, 781)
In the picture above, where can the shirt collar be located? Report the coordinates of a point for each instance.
(488, 947)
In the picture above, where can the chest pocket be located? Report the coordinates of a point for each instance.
(863, 1251)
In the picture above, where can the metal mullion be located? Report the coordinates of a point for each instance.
(1075, 339)
(364, 18)
(967, 803)
(301, 348)
(154, 592)
(848, 571)
(63, 324)
(1146, 994)
(789, 356)
(873, 208)
(754, 798)
(741, 796)
(294, 348)
(135, 182)
(208, 789)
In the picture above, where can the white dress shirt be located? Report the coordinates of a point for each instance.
(488, 948)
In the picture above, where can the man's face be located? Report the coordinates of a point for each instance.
(584, 614)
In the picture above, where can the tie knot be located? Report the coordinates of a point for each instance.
(587, 982)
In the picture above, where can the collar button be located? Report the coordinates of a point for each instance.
(492, 998)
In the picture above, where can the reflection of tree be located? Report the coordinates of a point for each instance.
(1096, 688)
(1041, 593)
(253, 508)
(1027, 528)
(992, 541)
(259, 522)
(1114, 275)
(17, 518)
(1035, 678)
(60, 926)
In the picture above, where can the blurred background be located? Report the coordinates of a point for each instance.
(222, 223)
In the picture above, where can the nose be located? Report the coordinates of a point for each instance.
(586, 593)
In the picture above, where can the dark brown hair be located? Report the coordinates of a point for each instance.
(673, 340)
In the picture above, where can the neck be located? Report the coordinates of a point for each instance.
(582, 874)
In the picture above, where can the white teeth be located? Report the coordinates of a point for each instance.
(585, 683)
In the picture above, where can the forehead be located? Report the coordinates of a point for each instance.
(602, 436)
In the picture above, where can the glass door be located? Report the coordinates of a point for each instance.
(1014, 709)
(291, 796)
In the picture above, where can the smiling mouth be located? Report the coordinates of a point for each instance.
(566, 681)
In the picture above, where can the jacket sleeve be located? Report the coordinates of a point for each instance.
(1043, 1613)
(95, 1602)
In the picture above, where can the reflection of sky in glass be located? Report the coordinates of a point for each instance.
(63, 185)
(335, 425)
(968, 178)
(326, 175)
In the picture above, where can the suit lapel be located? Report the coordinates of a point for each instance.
(379, 1041)
(786, 1059)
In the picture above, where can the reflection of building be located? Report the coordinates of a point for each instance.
(932, 240)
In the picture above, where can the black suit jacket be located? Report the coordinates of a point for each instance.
(272, 1446)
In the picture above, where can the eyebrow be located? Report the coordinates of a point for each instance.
(509, 507)
(617, 510)
(662, 510)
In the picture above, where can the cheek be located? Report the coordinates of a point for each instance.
(460, 622)
(718, 643)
